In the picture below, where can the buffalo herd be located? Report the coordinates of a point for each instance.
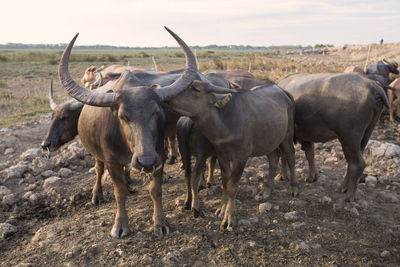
(227, 116)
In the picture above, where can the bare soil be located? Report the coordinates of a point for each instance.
(66, 230)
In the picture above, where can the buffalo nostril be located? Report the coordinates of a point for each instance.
(45, 145)
(147, 161)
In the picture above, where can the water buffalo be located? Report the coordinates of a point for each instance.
(251, 123)
(227, 74)
(192, 142)
(380, 71)
(394, 98)
(122, 123)
(91, 73)
(64, 128)
(113, 73)
(351, 69)
(344, 106)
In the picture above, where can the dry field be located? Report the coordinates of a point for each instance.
(54, 224)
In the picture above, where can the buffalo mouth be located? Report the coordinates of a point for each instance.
(149, 164)
(48, 146)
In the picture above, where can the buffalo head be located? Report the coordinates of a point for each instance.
(135, 105)
(64, 121)
(392, 66)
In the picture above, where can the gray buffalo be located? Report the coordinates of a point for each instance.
(122, 123)
(251, 123)
(380, 72)
(330, 106)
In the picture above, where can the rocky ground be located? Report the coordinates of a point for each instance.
(46, 217)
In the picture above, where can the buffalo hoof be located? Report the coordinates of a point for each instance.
(278, 177)
(171, 160)
(201, 187)
(227, 225)
(362, 178)
(119, 232)
(161, 230)
(293, 191)
(220, 212)
(132, 191)
(312, 178)
(97, 201)
(197, 213)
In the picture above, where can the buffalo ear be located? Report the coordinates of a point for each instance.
(233, 85)
(93, 69)
(222, 100)
(155, 86)
(199, 85)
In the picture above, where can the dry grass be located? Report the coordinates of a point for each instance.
(25, 75)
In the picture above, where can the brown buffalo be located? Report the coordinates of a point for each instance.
(394, 98)
(93, 73)
(63, 128)
(227, 74)
(122, 123)
(356, 69)
(330, 106)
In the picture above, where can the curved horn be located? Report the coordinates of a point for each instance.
(53, 104)
(100, 79)
(81, 94)
(187, 77)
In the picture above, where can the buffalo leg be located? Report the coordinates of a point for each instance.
(231, 188)
(391, 96)
(355, 168)
(120, 228)
(225, 176)
(198, 171)
(171, 150)
(211, 167)
(308, 148)
(188, 199)
(97, 192)
(161, 226)
(288, 152)
(268, 183)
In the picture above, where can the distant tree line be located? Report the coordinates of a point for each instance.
(110, 47)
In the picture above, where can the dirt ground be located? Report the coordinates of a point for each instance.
(62, 228)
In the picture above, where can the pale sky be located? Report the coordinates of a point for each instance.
(203, 22)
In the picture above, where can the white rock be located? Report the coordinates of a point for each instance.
(326, 200)
(33, 198)
(17, 171)
(30, 154)
(48, 173)
(9, 200)
(173, 257)
(6, 229)
(27, 195)
(371, 181)
(299, 246)
(147, 259)
(291, 215)
(389, 196)
(65, 172)
(51, 182)
(264, 207)
(354, 211)
(385, 254)
(4, 191)
(9, 151)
